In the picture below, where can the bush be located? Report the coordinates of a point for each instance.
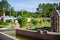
(22, 21)
(48, 20)
(3, 23)
(35, 22)
(40, 22)
(8, 20)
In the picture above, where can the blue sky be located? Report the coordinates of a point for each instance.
(29, 5)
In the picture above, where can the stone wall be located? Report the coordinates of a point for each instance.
(38, 34)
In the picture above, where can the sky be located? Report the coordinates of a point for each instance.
(29, 5)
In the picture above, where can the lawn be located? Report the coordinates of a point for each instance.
(7, 25)
(44, 24)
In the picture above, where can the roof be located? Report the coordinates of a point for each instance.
(58, 11)
(9, 17)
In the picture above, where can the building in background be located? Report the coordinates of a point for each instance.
(7, 18)
(55, 21)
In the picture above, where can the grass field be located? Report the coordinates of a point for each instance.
(44, 24)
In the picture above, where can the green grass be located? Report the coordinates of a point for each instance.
(44, 24)
(5, 24)
(1, 26)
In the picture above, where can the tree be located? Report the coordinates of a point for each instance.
(55, 6)
(59, 6)
(24, 13)
(47, 8)
(12, 11)
(4, 6)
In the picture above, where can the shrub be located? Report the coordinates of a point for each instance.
(35, 22)
(3, 23)
(40, 22)
(22, 21)
(48, 20)
(8, 20)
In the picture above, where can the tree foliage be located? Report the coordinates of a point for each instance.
(12, 12)
(4, 6)
(22, 21)
(46, 9)
(43, 10)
